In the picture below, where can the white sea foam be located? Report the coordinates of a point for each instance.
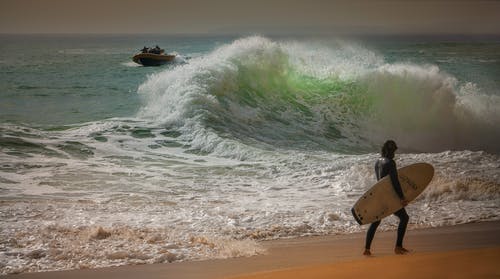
(153, 210)
(130, 64)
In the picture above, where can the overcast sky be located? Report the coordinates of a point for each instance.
(251, 16)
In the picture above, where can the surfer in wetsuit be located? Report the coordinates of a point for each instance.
(386, 166)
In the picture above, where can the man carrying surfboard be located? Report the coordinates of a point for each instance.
(383, 167)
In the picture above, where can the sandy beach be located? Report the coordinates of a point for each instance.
(461, 251)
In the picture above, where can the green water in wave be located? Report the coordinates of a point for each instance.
(267, 99)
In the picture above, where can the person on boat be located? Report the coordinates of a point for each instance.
(387, 166)
(156, 50)
(145, 49)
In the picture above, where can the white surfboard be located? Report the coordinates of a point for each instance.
(381, 200)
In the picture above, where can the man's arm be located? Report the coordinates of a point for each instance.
(393, 173)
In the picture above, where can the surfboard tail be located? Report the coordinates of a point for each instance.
(353, 211)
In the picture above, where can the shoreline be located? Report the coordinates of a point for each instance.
(305, 251)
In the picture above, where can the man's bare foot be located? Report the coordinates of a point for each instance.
(401, 251)
(367, 252)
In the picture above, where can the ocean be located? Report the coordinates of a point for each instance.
(242, 139)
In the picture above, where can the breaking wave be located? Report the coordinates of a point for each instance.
(343, 97)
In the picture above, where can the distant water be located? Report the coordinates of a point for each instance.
(104, 162)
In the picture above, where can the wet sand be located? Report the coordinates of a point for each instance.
(475, 263)
(469, 250)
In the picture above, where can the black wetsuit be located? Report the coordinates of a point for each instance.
(383, 167)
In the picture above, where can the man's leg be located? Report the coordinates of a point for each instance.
(370, 234)
(403, 222)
